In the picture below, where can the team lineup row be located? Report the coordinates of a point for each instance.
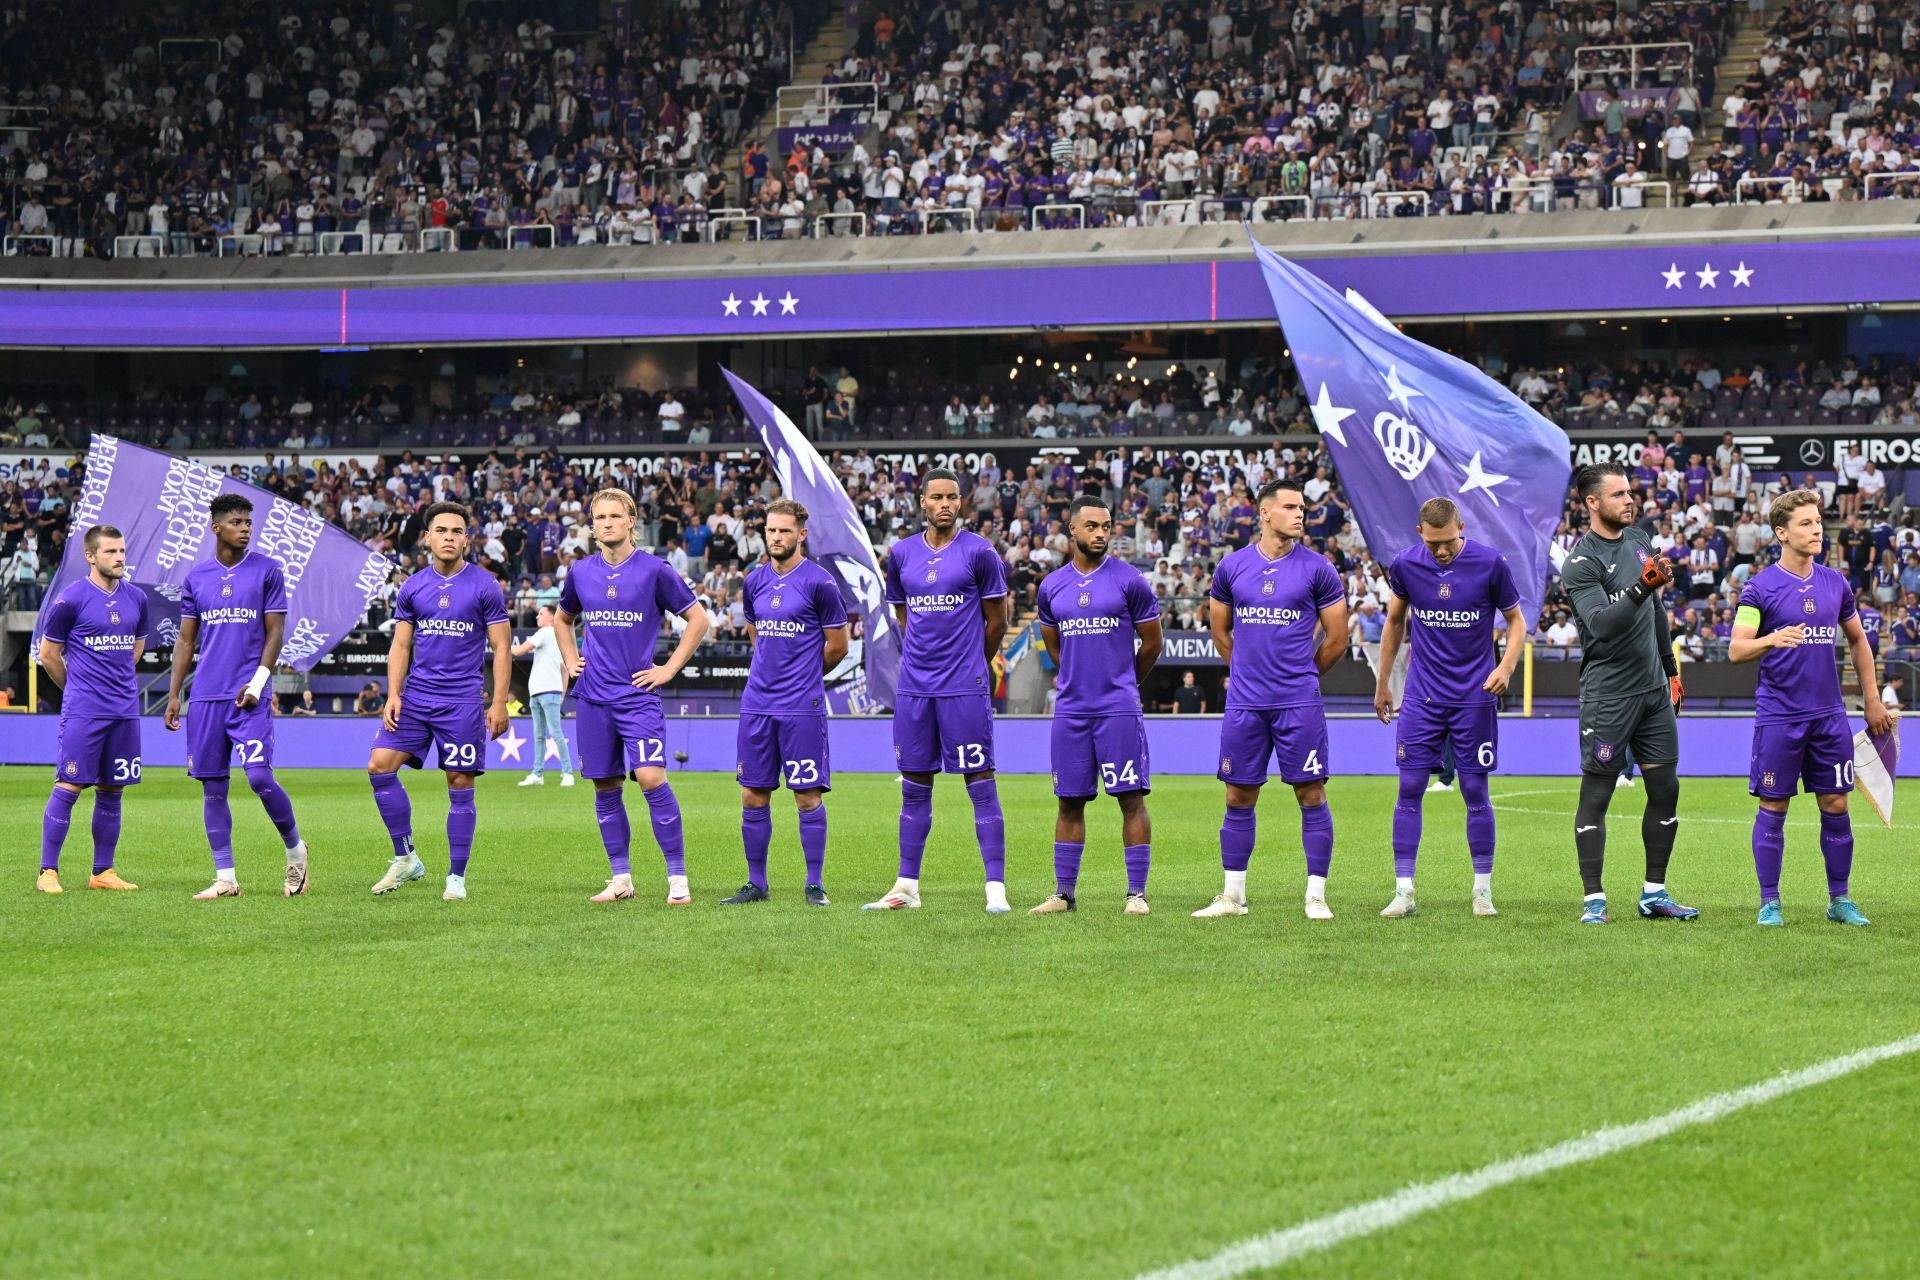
(1278, 617)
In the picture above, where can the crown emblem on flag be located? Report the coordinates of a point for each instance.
(1407, 450)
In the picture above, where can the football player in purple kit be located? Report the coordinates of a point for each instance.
(1800, 730)
(239, 601)
(1092, 610)
(948, 589)
(447, 617)
(1450, 590)
(94, 634)
(1269, 597)
(621, 595)
(797, 622)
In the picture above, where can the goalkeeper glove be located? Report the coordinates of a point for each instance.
(1655, 574)
(1679, 694)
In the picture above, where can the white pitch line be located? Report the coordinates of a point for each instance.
(1278, 1247)
(1685, 818)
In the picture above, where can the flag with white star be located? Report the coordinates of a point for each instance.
(836, 538)
(1405, 423)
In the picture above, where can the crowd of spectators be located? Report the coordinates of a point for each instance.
(196, 124)
(1238, 398)
(978, 115)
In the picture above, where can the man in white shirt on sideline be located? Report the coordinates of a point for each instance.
(546, 688)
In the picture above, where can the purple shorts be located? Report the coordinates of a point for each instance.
(1092, 751)
(1297, 735)
(1474, 731)
(93, 750)
(951, 735)
(793, 747)
(617, 741)
(221, 735)
(1816, 752)
(458, 732)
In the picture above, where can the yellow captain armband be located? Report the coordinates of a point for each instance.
(1747, 616)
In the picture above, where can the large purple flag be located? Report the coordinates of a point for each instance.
(1405, 423)
(160, 503)
(838, 540)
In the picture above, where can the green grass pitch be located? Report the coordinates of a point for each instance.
(524, 1084)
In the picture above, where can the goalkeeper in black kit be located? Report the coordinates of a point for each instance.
(1629, 687)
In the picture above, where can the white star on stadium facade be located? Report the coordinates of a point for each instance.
(788, 303)
(510, 743)
(1707, 276)
(731, 304)
(760, 304)
(1742, 276)
(1328, 417)
(1674, 275)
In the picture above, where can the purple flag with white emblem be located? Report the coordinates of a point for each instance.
(1405, 423)
(1876, 762)
(160, 503)
(837, 539)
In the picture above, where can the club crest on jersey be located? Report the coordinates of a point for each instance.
(1401, 751)
(613, 592)
(1226, 764)
(226, 591)
(1807, 604)
(446, 602)
(114, 617)
(1642, 553)
(774, 603)
(1766, 779)
(1266, 586)
(1604, 752)
(1086, 598)
(73, 767)
(1446, 591)
(933, 576)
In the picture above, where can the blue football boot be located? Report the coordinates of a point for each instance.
(1659, 906)
(1770, 914)
(1594, 911)
(1842, 911)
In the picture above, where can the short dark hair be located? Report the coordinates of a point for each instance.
(438, 509)
(100, 533)
(938, 473)
(228, 502)
(1272, 487)
(1593, 475)
(1081, 503)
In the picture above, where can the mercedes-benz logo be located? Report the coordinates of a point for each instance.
(1812, 453)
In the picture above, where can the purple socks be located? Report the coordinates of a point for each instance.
(1406, 821)
(1316, 837)
(218, 818)
(1480, 829)
(756, 833)
(989, 827)
(1139, 858)
(664, 810)
(1236, 838)
(616, 829)
(53, 826)
(279, 806)
(1836, 846)
(460, 823)
(916, 820)
(813, 841)
(395, 810)
(106, 828)
(1770, 850)
(1066, 866)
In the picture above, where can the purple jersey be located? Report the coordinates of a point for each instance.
(1095, 614)
(231, 603)
(790, 613)
(98, 630)
(1276, 605)
(1451, 615)
(450, 617)
(620, 607)
(944, 651)
(1802, 682)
